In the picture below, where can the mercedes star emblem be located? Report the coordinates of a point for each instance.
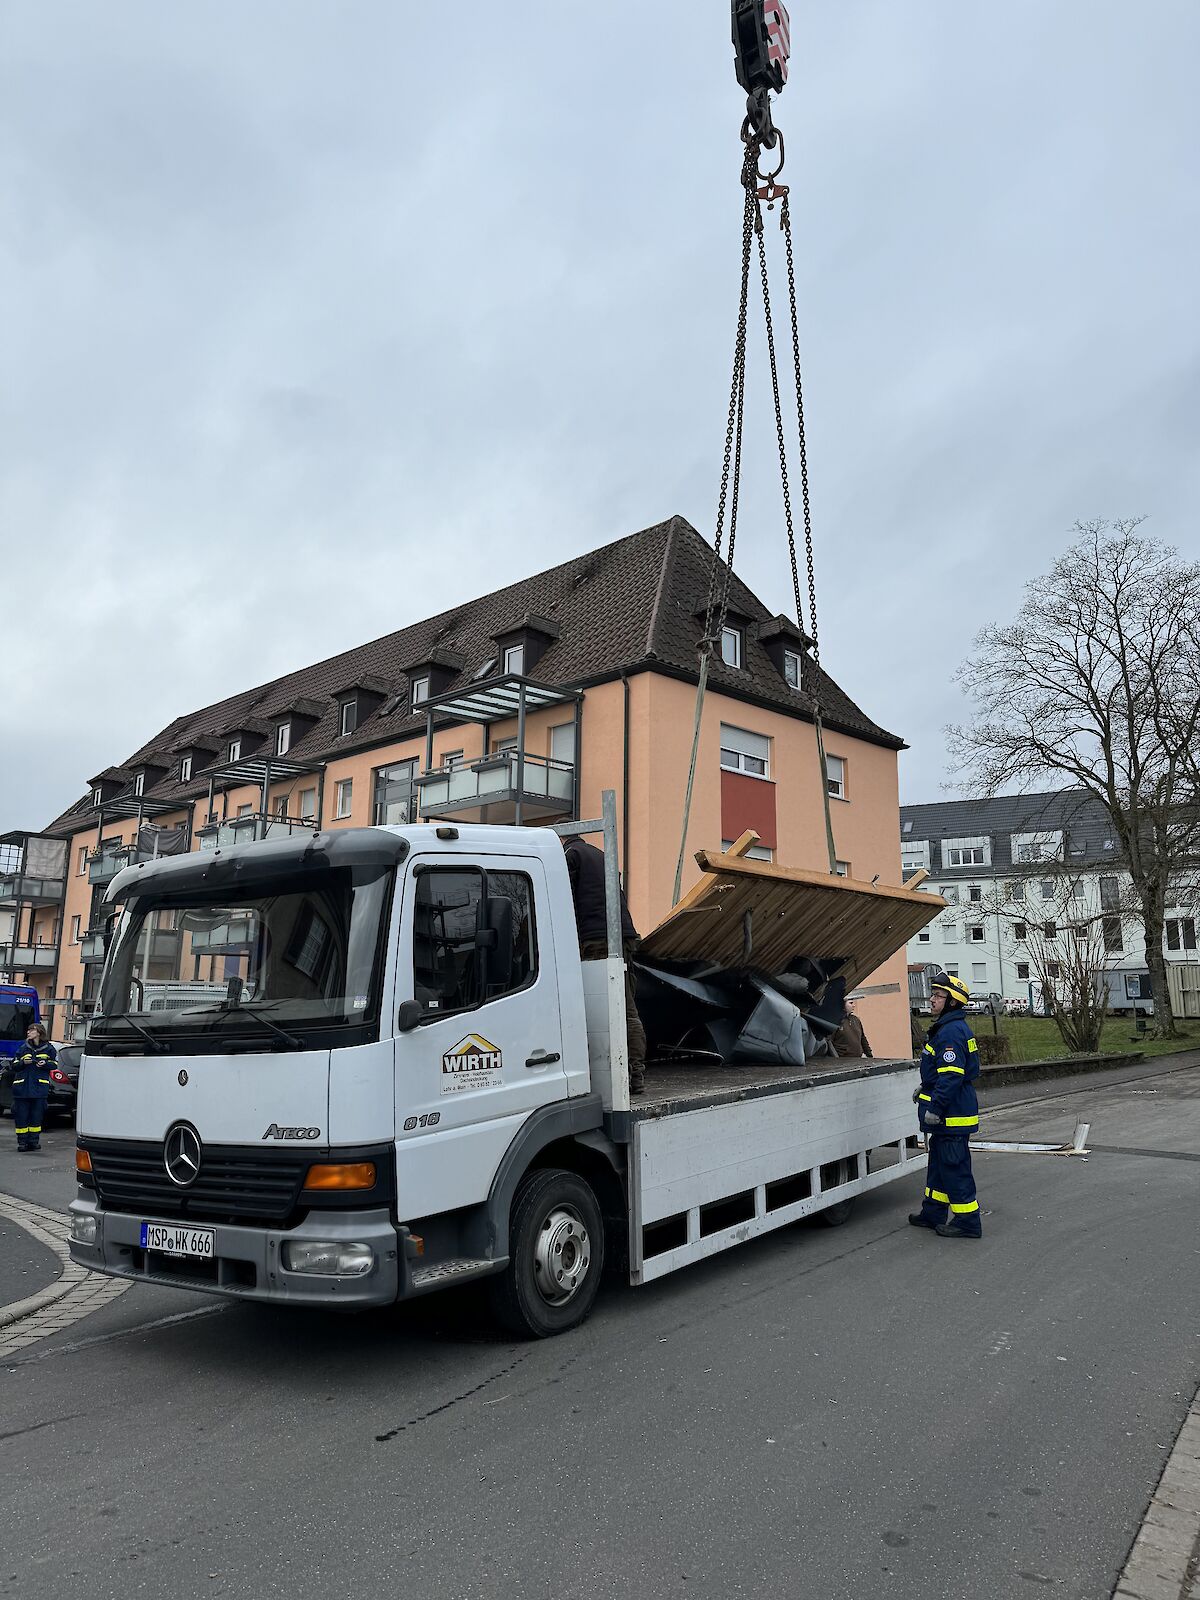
(182, 1077)
(181, 1154)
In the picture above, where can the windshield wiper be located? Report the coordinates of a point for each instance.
(231, 1009)
(124, 1016)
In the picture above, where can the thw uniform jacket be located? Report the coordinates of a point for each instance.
(31, 1071)
(949, 1068)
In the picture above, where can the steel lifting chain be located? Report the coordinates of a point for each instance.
(758, 187)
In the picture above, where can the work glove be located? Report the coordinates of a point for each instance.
(916, 1094)
(932, 1120)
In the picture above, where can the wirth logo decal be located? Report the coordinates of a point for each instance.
(474, 1063)
(276, 1132)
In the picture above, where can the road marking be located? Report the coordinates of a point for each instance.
(1165, 1553)
(75, 1294)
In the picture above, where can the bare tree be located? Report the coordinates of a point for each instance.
(1098, 680)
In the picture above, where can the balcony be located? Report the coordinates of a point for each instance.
(111, 858)
(93, 946)
(493, 788)
(29, 957)
(18, 888)
(254, 825)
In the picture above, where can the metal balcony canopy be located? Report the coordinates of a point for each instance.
(257, 769)
(140, 805)
(498, 699)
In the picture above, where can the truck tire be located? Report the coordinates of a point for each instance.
(556, 1255)
(834, 1216)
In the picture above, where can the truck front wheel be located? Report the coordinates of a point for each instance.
(556, 1255)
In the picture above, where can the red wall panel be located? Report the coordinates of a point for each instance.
(747, 803)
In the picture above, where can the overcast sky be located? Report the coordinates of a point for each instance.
(317, 321)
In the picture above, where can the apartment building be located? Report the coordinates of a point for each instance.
(521, 706)
(1020, 868)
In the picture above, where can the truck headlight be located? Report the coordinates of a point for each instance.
(85, 1230)
(328, 1259)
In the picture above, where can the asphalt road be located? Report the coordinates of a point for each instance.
(823, 1414)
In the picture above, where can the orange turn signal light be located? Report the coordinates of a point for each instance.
(83, 1160)
(342, 1175)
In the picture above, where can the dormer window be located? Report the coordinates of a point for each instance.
(791, 669)
(139, 784)
(235, 750)
(731, 646)
(97, 798)
(420, 690)
(514, 659)
(349, 717)
(185, 770)
(283, 738)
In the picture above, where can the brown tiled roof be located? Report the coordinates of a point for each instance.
(631, 605)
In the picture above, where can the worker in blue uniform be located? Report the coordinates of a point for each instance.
(948, 1112)
(31, 1086)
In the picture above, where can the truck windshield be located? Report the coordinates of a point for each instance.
(293, 962)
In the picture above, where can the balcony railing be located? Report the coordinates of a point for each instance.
(19, 887)
(488, 789)
(29, 957)
(110, 859)
(93, 946)
(254, 825)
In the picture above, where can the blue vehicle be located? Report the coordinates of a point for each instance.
(18, 1011)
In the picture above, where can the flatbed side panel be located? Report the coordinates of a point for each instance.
(714, 1177)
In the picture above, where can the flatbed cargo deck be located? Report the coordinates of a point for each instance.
(692, 1085)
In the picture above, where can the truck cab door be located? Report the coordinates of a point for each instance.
(480, 1046)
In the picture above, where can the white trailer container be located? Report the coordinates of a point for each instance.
(428, 1086)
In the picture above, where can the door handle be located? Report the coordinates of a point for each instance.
(542, 1058)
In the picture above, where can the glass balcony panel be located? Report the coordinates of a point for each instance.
(92, 947)
(35, 957)
(246, 829)
(548, 787)
(19, 886)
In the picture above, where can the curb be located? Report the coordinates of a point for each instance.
(1163, 1562)
(47, 1228)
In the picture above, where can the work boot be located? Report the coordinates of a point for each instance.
(637, 1082)
(955, 1230)
(920, 1220)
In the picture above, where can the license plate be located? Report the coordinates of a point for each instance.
(170, 1240)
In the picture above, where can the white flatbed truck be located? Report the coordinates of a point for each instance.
(428, 1086)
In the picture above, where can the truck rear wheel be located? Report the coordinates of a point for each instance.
(834, 1216)
(556, 1255)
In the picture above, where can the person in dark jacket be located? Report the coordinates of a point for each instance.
(585, 866)
(31, 1086)
(948, 1111)
(850, 1038)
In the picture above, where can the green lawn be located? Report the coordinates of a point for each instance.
(1037, 1039)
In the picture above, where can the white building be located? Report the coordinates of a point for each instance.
(984, 857)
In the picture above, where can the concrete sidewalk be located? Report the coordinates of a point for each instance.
(1164, 1563)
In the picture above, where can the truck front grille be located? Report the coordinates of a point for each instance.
(235, 1185)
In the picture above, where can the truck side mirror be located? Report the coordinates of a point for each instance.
(409, 1015)
(494, 941)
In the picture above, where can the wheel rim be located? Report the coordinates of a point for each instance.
(562, 1256)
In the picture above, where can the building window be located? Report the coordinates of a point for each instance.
(756, 852)
(743, 751)
(562, 744)
(1016, 891)
(950, 893)
(344, 797)
(97, 796)
(74, 930)
(952, 970)
(975, 892)
(914, 854)
(1181, 933)
(420, 690)
(1053, 970)
(1114, 935)
(1080, 930)
(393, 800)
(451, 759)
(514, 660)
(1110, 894)
(971, 855)
(976, 935)
(503, 746)
(1049, 930)
(349, 717)
(139, 784)
(731, 646)
(185, 770)
(979, 972)
(246, 807)
(1046, 888)
(950, 933)
(488, 667)
(791, 669)
(308, 803)
(83, 858)
(1020, 932)
(923, 936)
(842, 869)
(235, 750)
(835, 776)
(281, 806)
(1023, 971)
(283, 738)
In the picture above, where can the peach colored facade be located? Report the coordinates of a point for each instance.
(658, 734)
